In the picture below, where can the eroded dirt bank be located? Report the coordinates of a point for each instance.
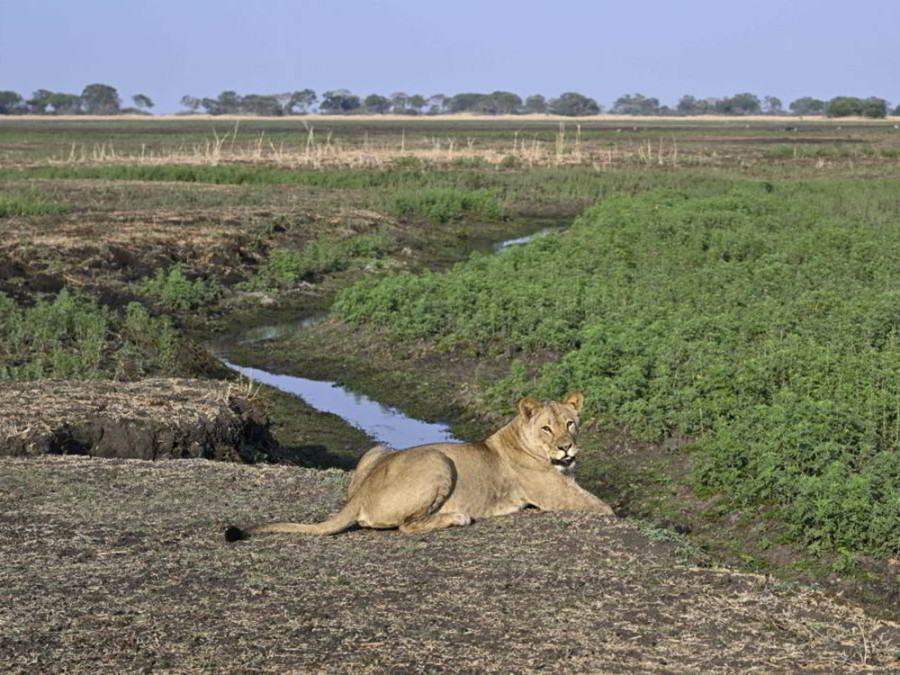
(155, 418)
(100, 571)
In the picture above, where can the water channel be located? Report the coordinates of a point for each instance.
(387, 425)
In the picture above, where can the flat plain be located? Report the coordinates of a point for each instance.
(724, 297)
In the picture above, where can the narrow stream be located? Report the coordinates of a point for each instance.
(388, 425)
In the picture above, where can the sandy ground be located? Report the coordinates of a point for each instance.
(119, 566)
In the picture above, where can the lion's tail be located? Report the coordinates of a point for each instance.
(339, 522)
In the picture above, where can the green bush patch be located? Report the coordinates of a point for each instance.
(325, 255)
(174, 290)
(71, 337)
(444, 205)
(763, 322)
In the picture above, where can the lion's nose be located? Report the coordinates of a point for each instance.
(564, 448)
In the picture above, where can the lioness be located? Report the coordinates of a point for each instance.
(430, 487)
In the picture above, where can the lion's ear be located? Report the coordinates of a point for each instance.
(574, 400)
(527, 407)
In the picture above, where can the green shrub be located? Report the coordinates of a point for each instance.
(444, 205)
(64, 338)
(325, 255)
(175, 291)
(71, 337)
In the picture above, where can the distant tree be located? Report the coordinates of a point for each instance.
(40, 101)
(191, 103)
(711, 104)
(100, 99)
(266, 105)
(143, 102)
(636, 104)
(10, 102)
(230, 103)
(463, 102)
(535, 104)
(499, 103)
(689, 105)
(772, 105)
(844, 106)
(875, 107)
(65, 103)
(301, 102)
(896, 112)
(416, 102)
(376, 103)
(807, 105)
(339, 101)
(399, 101)
(283, 100)
(211, 105)
(436, 104)
(573, 104)
(739, 104)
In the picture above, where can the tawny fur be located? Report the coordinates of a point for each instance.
(429, 487)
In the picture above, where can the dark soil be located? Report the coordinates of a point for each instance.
(150, 419)
(120, 566)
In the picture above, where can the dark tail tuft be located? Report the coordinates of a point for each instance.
(233, 533)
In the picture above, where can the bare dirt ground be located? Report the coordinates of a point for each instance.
(105, 250)
(120, 566)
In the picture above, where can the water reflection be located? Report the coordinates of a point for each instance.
(272, 331)
(503, 245)
(388, 425)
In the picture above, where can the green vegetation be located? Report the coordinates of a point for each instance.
(444, 205)
(72, 337)
(762, 320)
(324, 255)
(175, 291)
(28, 204)
(844, 106)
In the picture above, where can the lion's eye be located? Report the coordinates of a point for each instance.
(571, 424)
(547, 429)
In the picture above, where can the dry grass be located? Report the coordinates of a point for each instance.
(329, 152)
(119, 566)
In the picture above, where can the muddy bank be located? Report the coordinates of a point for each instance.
(150, 419)
(144, 585)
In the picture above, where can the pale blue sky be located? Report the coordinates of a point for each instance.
(166, 49)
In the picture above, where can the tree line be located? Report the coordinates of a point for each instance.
(103, 99)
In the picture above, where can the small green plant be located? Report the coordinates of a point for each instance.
(175, 291)
(325, 255)
(152, 341)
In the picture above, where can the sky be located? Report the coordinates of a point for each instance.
(166, 48)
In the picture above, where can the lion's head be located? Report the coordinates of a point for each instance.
(550, 429)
